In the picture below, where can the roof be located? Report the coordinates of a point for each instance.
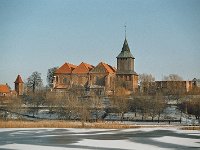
(125, 52)
(103, 68)
(66, 68)
(108, 68)
(18, 79)
(4, 88)
(83, 68)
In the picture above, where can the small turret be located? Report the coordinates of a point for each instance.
(19, 85)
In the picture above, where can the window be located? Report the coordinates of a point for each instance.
(56, 78)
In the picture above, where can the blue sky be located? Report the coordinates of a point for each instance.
(163, 35)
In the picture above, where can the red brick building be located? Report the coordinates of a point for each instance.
(102, 77)
(19, 85)
(19, 88)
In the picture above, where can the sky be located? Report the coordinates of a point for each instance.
(35, 35)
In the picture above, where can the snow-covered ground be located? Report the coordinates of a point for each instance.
(170, 113)
(88, 139)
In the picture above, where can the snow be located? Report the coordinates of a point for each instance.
(117, 144)
(157, 138)
(179, 141)
(32, 147)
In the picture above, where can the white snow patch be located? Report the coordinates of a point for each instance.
(33, 147)
(179, 141)
(118, 144)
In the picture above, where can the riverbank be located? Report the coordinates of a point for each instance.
(78, 124)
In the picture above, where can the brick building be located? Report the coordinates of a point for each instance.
(5, 90)
(102, 77)
(174, 87)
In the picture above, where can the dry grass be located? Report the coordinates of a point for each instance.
(62, 124)
(77, 124)
(191, 128)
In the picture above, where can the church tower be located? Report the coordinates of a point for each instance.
(125, 68)
(19, 85)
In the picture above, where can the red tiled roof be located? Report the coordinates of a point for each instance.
(113, 68)
(66, 68)
(18, 79)
(108, 68)
(82, 68)
(4, 88)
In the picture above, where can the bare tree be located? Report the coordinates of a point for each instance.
(147, 83)
(35, 101)
(96, 104)
(51, 101)
(4, 102)
(156, 106)
(192, 107)
(134, 104)
(34, 81)
(173, 77)
(120, 101)
(15, 106)
(143, 105)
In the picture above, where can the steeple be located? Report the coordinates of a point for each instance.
(125, 52)
(125, 67)
(125, 46)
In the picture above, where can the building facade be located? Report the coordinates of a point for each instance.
(103, 77)
(174, 87)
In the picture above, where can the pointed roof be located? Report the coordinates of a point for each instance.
(4, 88)
(83, 68)
(66, 68)
(125, 52)
(108, 68)
(103, 68)
(18, 79)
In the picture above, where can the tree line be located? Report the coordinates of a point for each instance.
(78, 104)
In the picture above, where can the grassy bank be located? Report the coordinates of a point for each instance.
(62, 124)
(77, 124)
(191, 128)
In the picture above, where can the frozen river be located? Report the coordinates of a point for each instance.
(100, 139)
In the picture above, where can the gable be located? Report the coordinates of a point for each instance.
(82, 68)
(103, 68)
(66, 68)
(99, 69)
(108, 68)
